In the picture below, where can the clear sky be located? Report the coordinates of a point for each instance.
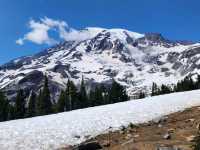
(175, 19)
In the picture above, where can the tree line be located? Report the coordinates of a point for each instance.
(187, 84)
(69, 99)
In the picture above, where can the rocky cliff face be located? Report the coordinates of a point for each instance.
(132, 59)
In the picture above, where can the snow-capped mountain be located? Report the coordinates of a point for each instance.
(132, 59)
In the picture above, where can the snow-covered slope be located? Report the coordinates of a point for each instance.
(132, 59)
(58, 130)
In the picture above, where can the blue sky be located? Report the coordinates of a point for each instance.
(175, 19)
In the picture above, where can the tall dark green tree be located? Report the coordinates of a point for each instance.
(198, 82)
(20, 105)
(83, 95)
(31, 110)
(141, 95)
(11, 112)
(61, 104)
(154, 89)
(98, 96)
(72, 101)
(91, 98)
(44, 104)
(117, 93)
(4, 105)
(38, 103)
(165, 89)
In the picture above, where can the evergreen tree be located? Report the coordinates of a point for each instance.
(72, 99)
(11, 112)
(20, 105)
(4, 105)
(165, 89)
(91, 98)
(38, 103)
(61, 104)
(155, 89)
(83, 95)
(141, 95)
(44, 105)
(31, 110)
(117, 93)
(198, 82)
(98, 96)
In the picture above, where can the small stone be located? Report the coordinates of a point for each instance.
(167, 136)
(171, 130)
(190, 138)
(190, 120)
(87, 136)
(167, 148)
(136, 136)
(198, 126)
(128, 136)
(90, 146)
(105, 143)
(77, 136)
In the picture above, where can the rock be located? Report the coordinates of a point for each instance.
(198, 126)
(190, 138)
(160, 120)
(87, 136)
(77, 136)
(167, 136)
(121, 132)
(128, 136)
(167, 148)
(106, 144)
(190, 120)
(160, 125)
(90, 146)
(136, 136)
(171, 130)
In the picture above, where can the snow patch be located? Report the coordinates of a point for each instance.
(58, 130)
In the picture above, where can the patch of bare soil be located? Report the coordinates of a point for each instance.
(172, 132)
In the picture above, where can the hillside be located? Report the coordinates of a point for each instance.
(70, 128)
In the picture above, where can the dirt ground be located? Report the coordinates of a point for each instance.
(176, 130)
(181, 127)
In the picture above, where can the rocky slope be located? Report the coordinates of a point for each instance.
(132, 59)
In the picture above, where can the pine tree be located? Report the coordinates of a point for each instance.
(44, 105)
(91, 98)
(141, 95)
(165, 89)
(38, 103)
(98, 96)
(11, 112)
(83, 95)
(31, 110)
(4, 105)
(198, 82)
(20, 105)
(61, 104)
(117, 93)
(155, 89)
(72, 100)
